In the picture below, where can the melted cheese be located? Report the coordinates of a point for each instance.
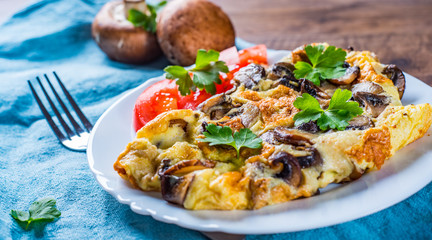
(252, 181)
(138, 164)
(209, 190)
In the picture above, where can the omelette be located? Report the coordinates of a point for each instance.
(294, 161)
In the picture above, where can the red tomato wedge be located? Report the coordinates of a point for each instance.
(230, 56)
(256, 54)
(164, 95)
(193, 100)
(236, 60)
(196, 98)
(158, 98)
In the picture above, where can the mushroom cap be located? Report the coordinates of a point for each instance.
(250, 75)
(176, 179)
(397, 77)
(291, 171)
(185, 26)
(373, 103)
(119, 39)
(351, 74)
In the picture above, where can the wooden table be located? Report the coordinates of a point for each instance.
(398, 31)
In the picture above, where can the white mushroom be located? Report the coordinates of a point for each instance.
(119, 38)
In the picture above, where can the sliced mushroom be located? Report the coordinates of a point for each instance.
(290, 82)
(282, 73)
(287, 137)
(204, 126)
(355, 174)
(367, 86)
(178, 122)
(290, 168)
(360, 123)
(397, 77)
(250, 114)
(373, 103)
(250, 76)
(217, 106)
(311, 159)
(174, 189)
(311, 127)
(176, 179)
(351, 74)
(188, 166)
(280, 69)
(299, 54)
(282, 136)
(308, 87)
(269, 137)
(346, 65)
(316, 92)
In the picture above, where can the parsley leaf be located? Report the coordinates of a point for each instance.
(326, 64)
(246, 138)
(312, 109)
(217, 135)
(203, 58)
(41, 210)
(145, 21)
(336, 116)
(183, 79)
(205, 73)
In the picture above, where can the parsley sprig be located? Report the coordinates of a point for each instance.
(217, 135)
(146, 21)
(326, 64)
(41, 210)
(205, 73)
(336, 116)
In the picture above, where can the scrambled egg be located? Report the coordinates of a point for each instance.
(294, 161)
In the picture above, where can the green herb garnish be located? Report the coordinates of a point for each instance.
(205, 73)
(146, 21)
(217, 135)
(326, 64)
(41, 210)
(336, 116)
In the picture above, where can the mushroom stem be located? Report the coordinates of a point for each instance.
(139, 5)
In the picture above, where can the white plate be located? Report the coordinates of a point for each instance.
(400, 177)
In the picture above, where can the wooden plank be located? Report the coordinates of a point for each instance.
(398, 31)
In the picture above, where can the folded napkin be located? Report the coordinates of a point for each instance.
(55, 35)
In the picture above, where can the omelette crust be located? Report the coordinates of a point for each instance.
(167, 156)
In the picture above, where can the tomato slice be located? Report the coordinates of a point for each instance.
(236, 60)
(193, 100)
(164, 95)
(158, 98)
(225, 85)
(230, 56)
(256, 54)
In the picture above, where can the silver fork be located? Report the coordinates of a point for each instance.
(77, 140)
(74, 140)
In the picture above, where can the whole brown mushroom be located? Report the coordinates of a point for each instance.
(185, 26)
(119, 38)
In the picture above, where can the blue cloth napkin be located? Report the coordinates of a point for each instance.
(55, 35)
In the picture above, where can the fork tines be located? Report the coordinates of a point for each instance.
(69, 133)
